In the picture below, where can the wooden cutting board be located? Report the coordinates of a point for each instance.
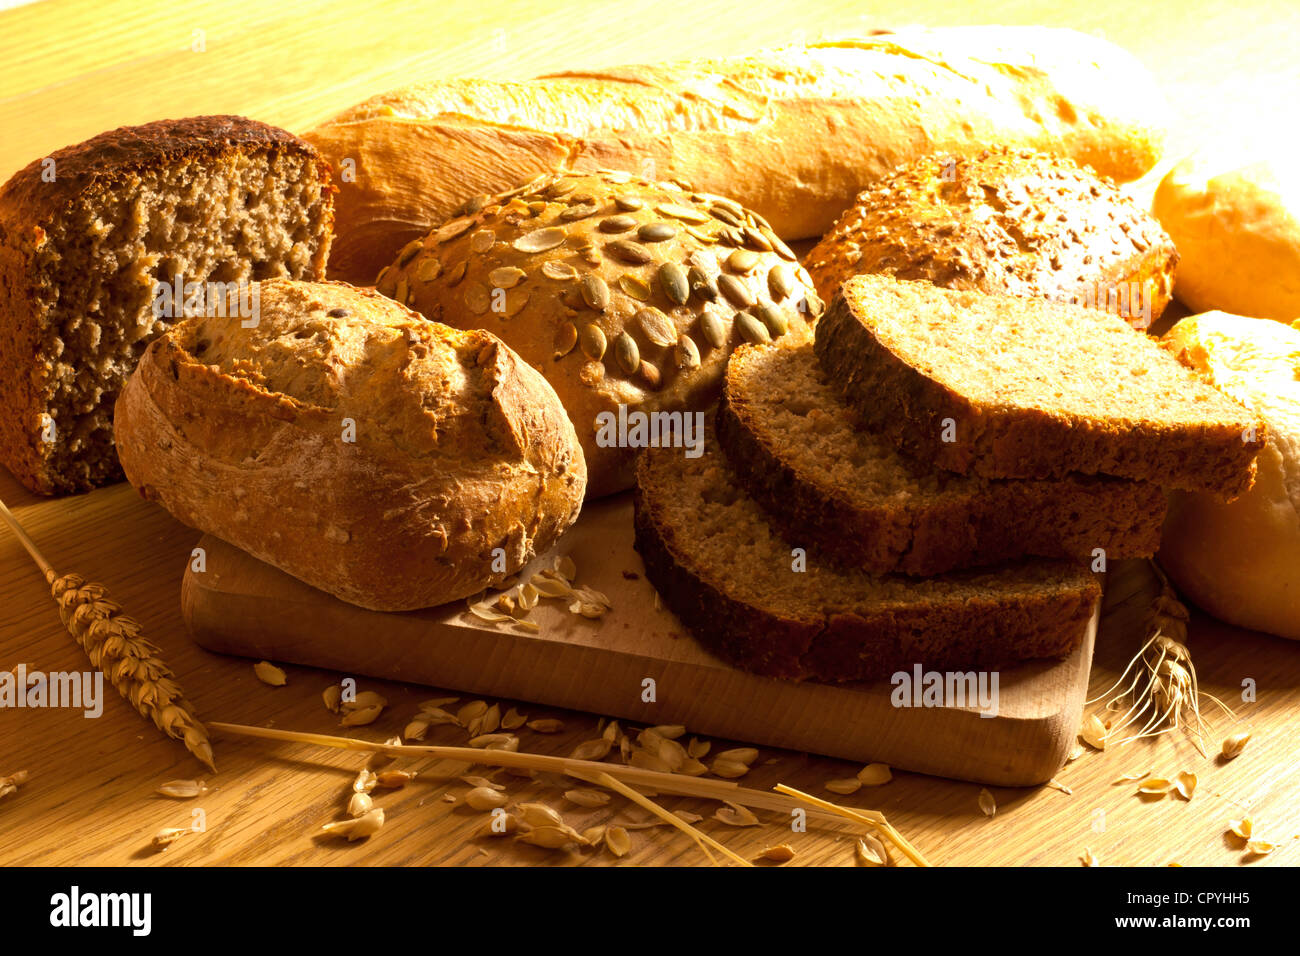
(239, 605)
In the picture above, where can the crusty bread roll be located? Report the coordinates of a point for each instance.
(1005, 221)
(349, 442)
(620, 291)
(1237, 228)
(1240, 560)
(794, 134)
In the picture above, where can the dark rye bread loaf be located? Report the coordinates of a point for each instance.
(720, 566)
(822, 475)
(1026, 388)
(84, 235)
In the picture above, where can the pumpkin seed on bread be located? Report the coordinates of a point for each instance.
(818, 471)
(1010, 221)
(621, 291)
(1005, 387)
(722, 568)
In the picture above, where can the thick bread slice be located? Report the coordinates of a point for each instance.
(823, 476)
(1020, 388)
(720, 567)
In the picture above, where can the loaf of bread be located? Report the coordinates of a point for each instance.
(627, 295)
(1237, 227)
(718, 564)
(86, 237)
(388, 460)
(1005, 221)
(823, 477)
(1240, 560)
(1007, 387)
(794, 134)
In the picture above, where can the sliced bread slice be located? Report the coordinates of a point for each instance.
(824, 476)
(1021, 388)
(720, 566)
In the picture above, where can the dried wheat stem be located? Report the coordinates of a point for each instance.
(670, 783)
(869, 817)
(113, 643)
(704, 840)
(21, 534)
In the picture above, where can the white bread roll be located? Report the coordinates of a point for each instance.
(1240, 560)
(1236, 225)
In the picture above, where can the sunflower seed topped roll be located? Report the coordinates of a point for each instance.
(1005, 221)
(621, 291)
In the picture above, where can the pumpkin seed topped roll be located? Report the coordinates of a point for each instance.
(621, 291)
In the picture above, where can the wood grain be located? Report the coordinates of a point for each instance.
(71, 68)
(238, 605)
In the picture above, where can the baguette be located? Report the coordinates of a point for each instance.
(794, 134)
(390, 461)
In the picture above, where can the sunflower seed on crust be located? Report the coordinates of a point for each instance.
(540, 240)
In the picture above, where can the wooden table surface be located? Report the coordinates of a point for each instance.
(71, 68)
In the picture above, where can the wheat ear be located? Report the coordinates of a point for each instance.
(113, 643)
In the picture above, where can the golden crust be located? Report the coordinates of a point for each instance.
(741, 127)
(578, 283)
(1004, 221)
(351, 443)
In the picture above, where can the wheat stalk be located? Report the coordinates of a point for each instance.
(702, 839)
(114, 644)
(671, 783)
(1165, 692)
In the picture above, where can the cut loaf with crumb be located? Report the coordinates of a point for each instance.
(88, 237)
(824, 476)
(720, 566)
(1005, 387)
